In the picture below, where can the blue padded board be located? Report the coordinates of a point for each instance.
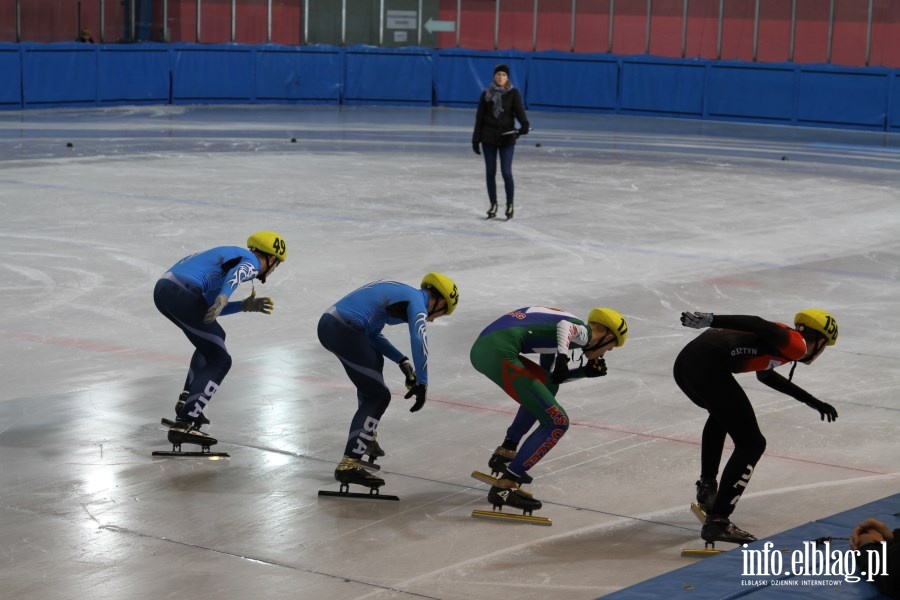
(721, 577)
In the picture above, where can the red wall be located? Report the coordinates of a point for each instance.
(58, 20)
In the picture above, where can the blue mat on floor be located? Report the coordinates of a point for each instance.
(722, 576)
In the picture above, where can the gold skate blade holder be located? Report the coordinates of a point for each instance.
(698, 512)
(485, 478)
(496, 515)
(709, 548)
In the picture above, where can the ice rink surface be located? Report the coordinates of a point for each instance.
(648, 216)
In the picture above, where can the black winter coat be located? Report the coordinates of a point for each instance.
(489, 129)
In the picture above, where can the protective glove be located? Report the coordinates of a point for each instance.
(522, 131)
(826, 411)
(476, 147)
(419, 390)
(253, 304)
(216, 309)
(560, 369)
(595, 368)
(697, 320)
(409, 372)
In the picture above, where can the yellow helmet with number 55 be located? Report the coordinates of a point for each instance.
(613, 321)
(444, 286)
(268, 242)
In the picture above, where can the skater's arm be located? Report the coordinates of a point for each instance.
(779, 383)
(417, 317)
(788, 341)
(519, 112)
(382, 345)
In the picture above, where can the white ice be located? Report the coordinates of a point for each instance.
(649, 216)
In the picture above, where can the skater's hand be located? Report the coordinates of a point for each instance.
(560, 369)
(595, 368)
(409, 372)
(253, 304)
(826, 411)
(697, 320)
(476, 148)
(870, 530)
(216, 309)
(419, 390)
(522, 131)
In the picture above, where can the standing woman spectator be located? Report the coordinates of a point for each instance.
(499, 107)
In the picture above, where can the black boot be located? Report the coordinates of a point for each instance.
(507, 493)
(720, 529)
(202, 420)
(350, 471)
(509, 211)
(706, 493)
(492, 211)
(186, 432)
(374, 450)
(500, 460)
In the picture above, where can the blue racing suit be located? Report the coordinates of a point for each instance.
(183, 295)
(351, 330)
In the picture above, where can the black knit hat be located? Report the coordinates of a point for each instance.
(501, 67)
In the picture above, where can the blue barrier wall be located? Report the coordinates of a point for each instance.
(70, 74)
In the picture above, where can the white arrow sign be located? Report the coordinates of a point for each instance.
(431, 25)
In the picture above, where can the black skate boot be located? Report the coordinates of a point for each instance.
(186, 432)
(509, 211)
(349, 470)
(374, 450)
(202, 420)
(500, 460)
(507, 493)
(492, 211)
(720, 529)
(706, 493)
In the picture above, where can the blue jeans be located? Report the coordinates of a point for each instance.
(490, 165)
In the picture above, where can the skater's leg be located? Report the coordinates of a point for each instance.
(364, 366)
(735, 414)
(522, 424)
(211, 361)
(506, 160)
(490, 170)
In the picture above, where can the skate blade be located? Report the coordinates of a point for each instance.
(485, 478)
(167, 422)
(699, 552)
(698, 512)
(496, 515)
(178, 454)
(371, 466)
(356, 495)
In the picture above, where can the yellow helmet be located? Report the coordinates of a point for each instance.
(444, 286)
(613, 321)
(818, 320)
(268, 242)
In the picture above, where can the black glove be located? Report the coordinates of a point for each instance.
(409, 372)
(595, 368)
(826, 410)
(522, 131)
(419, 390)
(476, 147)
(560, 369)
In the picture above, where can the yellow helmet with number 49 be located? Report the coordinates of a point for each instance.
(818, 320)
(444, 286)
(613, 321)
(268, 242)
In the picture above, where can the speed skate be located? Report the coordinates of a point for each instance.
(709, 548)
(177, 440)
(352, 470)
(508, 496)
